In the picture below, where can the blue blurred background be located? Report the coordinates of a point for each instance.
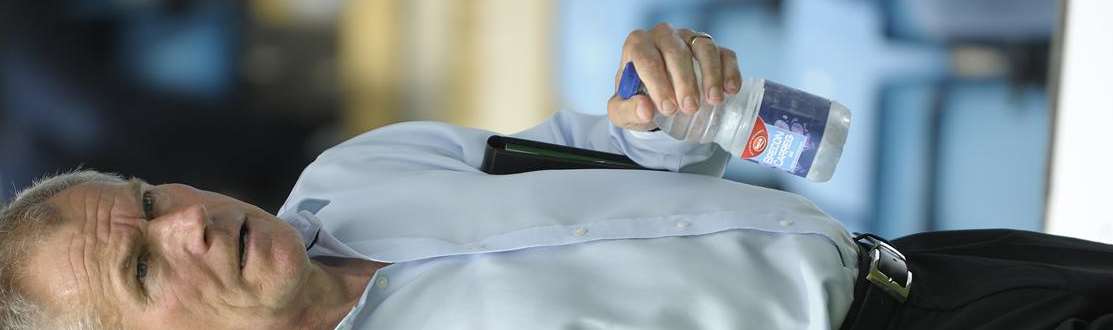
(949, 97)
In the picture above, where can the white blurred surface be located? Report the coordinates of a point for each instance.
(1078, 201)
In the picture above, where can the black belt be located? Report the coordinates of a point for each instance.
(882, 287)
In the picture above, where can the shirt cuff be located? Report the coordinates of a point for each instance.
(659, 150)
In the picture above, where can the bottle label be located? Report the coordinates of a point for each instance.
(788, 129)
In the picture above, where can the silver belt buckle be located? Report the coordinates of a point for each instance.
(882, 280)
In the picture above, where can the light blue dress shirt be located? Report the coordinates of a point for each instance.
(569, 249)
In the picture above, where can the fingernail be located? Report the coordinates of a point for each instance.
(731, 86)
(643, 113)
(690, 104)
(716, 96)
(669, 107)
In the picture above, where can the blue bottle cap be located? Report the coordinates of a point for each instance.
(629, 84)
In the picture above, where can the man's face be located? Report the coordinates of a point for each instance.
(169, 256)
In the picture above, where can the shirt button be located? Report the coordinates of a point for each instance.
(383, 282)
(786, 222)
(682, 224)
(580, 231)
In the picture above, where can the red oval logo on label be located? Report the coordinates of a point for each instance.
(759, 144)
(759, 139)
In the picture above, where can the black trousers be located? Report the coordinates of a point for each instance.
(1000, 279)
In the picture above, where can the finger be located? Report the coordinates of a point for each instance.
(642, 50)
(710, 65)
(732, 76)
(678, 61)
(635, 113)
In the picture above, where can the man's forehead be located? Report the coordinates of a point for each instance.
(53, 278)
(48, 268)
(86, 197)
(96, 187)
(73, 246)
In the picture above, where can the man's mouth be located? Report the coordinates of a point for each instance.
(243, 243)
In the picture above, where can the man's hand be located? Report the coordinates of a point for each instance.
(663, 58)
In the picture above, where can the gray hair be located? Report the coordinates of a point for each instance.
(23, 222)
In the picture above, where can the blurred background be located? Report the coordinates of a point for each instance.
(950, 101)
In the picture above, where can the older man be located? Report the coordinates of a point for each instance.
(398, 229)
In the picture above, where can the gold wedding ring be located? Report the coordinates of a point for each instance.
(697, 35)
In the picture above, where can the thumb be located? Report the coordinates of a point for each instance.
(635, 113)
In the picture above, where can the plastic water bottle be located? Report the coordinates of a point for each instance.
(767, 123)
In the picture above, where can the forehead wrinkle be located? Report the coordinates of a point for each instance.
(91, 289)
(92, 245)
(80, 256)
(80, 271)
(81, 238)
(89, 218)
(127, 207)
(74, 252)
(106, 200)
(74, 244)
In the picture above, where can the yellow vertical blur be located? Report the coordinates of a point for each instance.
(369, 36)
(482, 63)
(511, 63)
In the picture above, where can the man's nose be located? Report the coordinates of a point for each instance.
(183, 229)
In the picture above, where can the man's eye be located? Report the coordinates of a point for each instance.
(141, 268)
(148, 205)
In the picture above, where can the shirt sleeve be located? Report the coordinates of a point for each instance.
(655, 150)
(397, 151)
